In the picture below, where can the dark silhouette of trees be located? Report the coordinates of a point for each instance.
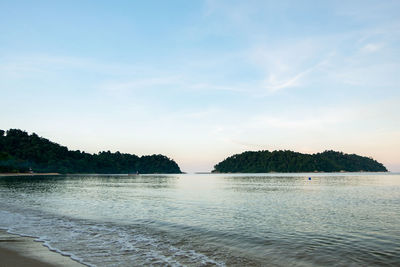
(20, 151)
(289, 161)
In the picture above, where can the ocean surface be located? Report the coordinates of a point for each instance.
(210, 219)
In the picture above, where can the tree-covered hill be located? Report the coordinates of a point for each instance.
(20, 151)
(289, 161)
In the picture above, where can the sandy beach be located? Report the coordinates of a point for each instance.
(24, 251)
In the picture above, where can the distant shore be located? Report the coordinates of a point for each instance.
(28, 174)
(21, 251)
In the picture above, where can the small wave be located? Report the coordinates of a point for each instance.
(100, 244)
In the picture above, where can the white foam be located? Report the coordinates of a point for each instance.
(99, 244)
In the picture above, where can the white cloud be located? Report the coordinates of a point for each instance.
(290, 64)
(371, 47)
(274, 85)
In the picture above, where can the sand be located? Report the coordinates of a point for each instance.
(24, 251)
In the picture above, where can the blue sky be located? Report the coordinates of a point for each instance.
(201, 80)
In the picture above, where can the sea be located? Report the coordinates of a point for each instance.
(316, 219)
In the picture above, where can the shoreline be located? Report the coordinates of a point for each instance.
(28, 174)
(16, 250)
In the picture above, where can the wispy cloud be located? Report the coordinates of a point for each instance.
(273, 85)
(371, 47)
(290, 65)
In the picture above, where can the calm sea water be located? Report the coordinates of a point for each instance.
(211, 219)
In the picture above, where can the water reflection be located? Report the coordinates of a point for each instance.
(282, 219)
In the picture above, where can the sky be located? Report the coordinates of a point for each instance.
(199, 81)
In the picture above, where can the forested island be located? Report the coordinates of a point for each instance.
(21, 152)
(289, 161)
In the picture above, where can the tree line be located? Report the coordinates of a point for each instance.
(289, 161)
(20, 152)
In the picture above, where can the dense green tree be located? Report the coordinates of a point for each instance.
(20, 151)
(289, 161)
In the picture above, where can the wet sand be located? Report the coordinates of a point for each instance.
(24, 251)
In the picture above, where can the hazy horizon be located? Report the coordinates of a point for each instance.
(198, 81)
